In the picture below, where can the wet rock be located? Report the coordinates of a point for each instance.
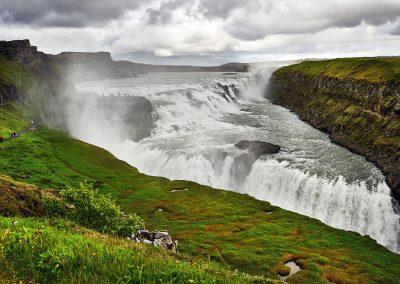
(258, 148)
(242, 164)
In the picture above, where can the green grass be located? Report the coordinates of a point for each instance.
(371, 69)
(12, 73)
(212, 225)
(53, 250)
(225, 227)
(11, 119)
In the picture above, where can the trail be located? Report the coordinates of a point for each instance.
(32, 127)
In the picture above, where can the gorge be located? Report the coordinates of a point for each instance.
(310, 175)
(207, 153)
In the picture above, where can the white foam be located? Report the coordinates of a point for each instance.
(193, 140)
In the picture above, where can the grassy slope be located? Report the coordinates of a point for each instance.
(376, 70)
(52, 250)
(229, 228)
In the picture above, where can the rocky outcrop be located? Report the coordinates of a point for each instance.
(253, 150)
(159, 239)
(358, 113)
(20, 50)
(10, 92)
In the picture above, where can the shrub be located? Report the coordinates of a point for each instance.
(97, 211)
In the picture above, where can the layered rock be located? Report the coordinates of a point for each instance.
(19, 50)
(357, 107)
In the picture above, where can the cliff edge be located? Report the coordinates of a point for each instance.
(355, 100)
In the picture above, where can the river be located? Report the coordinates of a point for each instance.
(198, 119)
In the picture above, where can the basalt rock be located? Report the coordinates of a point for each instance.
(10, 92)
(258, 148)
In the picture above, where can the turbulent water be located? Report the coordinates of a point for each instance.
(198, 119)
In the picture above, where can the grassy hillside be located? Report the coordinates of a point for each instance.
(371, 69)
(49, 250)
(233, 230)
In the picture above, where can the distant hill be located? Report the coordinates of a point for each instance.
(89, 66)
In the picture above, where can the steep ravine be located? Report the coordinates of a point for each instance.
(357, 106)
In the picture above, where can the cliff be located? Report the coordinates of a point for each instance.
(356, 101)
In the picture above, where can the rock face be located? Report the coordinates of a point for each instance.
(20, 50)
(133, 113)
(10, 92)
(255, 149)
(359, 112)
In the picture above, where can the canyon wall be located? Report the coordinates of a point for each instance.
(356, 101)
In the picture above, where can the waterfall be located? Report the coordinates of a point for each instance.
(199, 118)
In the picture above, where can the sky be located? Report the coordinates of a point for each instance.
(207, 32)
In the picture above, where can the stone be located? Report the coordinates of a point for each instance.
(160, 239)
(258, 148)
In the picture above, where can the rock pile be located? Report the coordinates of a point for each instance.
(157, 238)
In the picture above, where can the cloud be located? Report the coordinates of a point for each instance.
(309, 16)
(395, 30)
(163, 14)
(222, 9)
(206, 31)
(64, 13)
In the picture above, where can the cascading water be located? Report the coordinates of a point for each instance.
(200, 116)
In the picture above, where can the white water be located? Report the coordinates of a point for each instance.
(198, 125)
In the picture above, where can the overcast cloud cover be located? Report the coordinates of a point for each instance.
(207, 32)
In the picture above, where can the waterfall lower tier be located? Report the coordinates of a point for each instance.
(199, 117)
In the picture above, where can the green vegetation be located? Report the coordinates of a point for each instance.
(231, 229)
(11, 118)
(219, 231)
(95, 211)
(371, 69)
(50, 250)
(12, 73)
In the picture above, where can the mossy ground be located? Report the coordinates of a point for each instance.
(371, 69)
(231, 229)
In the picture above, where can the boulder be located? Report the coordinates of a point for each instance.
(157, 238)
(258, 148)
